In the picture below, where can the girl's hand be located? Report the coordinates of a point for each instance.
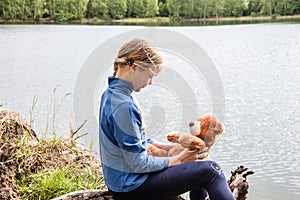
(187, 156)
(203, 154)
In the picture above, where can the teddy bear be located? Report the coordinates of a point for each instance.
(203, 134)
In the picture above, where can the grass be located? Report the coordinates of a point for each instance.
(47, 185)
(53, 109)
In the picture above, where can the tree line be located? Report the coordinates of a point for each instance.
(64, 10)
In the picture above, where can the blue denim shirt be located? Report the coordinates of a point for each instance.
(125, 161)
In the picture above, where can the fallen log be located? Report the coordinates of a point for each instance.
(94, 195)
(238, 185)
(86, 195)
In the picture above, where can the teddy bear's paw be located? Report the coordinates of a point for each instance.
(151, 148)
(173, 137)
(175, 150)
(154, 151)
(191, 142)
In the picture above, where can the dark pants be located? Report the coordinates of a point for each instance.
(200, 178)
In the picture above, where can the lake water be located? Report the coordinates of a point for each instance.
(259, 70)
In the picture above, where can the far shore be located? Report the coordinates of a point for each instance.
(149, 20)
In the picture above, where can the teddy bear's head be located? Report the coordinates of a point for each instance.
(206, 127)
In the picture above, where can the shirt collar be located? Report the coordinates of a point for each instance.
(117, 83)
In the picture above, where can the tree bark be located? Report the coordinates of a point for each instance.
(86, 194)
(238, 183)
(3, 10)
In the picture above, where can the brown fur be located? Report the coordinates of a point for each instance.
(153, 150)
(207, 136)
(210, 129)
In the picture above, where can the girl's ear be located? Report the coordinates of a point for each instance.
(133, 67)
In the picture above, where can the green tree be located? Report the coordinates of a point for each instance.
(152, 8)
(49, 9)
(197, 7)
(12, 7)
(285, 7)
(38, 9)
(71, 10)
(187, 8)
(174, 7)
(296, 6)
(140, 7)
(63, 10)
(60, 13)
(103, 9)
(80, 8)
(240, 7)
(92, 9)
(204, 8)
(117, 8)
(96, 9)
(236, 8)
(163, 8)
(24, 11)
(4, 7)
(130, 8)
(136, 8)
(254, 7)
(267, 7)
(217, 8)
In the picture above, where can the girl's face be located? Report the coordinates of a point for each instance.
(142, 78)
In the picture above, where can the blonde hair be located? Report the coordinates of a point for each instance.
(141, 53)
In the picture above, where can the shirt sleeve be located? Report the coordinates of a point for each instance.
(131, 140)
(149, 140)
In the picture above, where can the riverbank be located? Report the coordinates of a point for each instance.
(33, 168)
(159, 20)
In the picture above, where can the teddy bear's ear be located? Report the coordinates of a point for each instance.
(219, 128)
(207, 124)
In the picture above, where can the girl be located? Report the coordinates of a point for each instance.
(129, 171)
